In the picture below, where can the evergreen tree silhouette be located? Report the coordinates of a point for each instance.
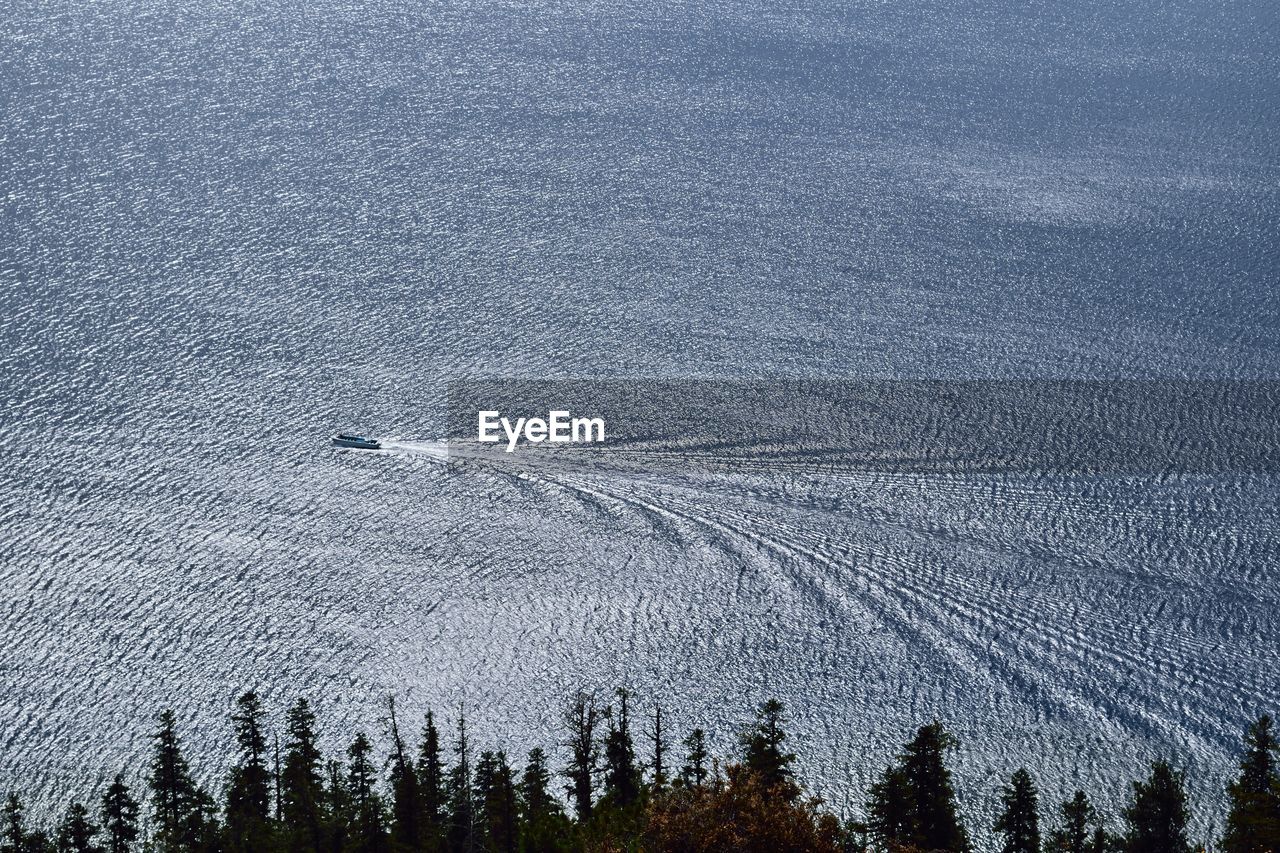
(340, 813)
(914, 803)
(77, 833)
(1156, 818)
(119, 817)
(621, 777)
(1105, 841)
(1075, 833)
(483, 777)
(764, 751)
(459, 795)
(431, 782)
(366, 832)
(1019, 821)
(203, 832)
(656, 738)
(891, 811)
(248, 796)
(582, 716)
(495, 797)
(38, 841)
(694, 772)
(177, 807)
(13, 826)
(276, 775)
(936, 816)
(543, 825)
(15, 837)
(406, 796)
(302, 794)
(1253, 822)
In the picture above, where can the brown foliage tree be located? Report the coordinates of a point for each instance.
(743, 814)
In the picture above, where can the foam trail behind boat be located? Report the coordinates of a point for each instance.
(437, 451)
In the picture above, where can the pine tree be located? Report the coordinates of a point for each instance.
(301, 785)
(119, 817)
(1253, 823)
(694, 772)
(1157, 816)
(340, 812)
(406, 795)
(13, 832)
(542, 821)
(501, 808)
(483, 778)
(431, 781)
(38, 841)
(1019, 821)
(177, 808)
(1105, 841)
(891, 812)
(77, 833)
(276, 775)
(1073, 836)
(914, 803)
(248, 798)
(495, 798)
(621, 777)
(582, 716)
(763, 749)
(936, 816)
(658, 766)
(203, 834)
(367, 830)
(459, 795)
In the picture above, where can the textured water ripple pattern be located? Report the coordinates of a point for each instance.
(233, 228)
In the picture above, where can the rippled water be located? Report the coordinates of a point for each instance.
(233, 228)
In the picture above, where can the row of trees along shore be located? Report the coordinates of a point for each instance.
(626, 787)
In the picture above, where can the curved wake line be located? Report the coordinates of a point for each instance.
(1044, 668)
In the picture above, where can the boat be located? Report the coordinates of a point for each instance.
(356, 442)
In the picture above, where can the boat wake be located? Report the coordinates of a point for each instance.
(434, 451)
